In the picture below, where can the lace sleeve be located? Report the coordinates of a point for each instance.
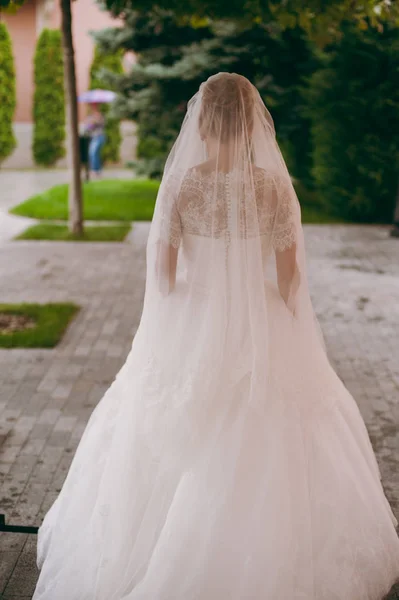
(284, 228)
(170, 217)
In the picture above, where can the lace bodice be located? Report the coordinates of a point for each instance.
(202, 205)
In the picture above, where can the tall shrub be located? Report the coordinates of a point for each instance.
(49, 99)
(354, 108)
(175, 55)
(7, 94)
(102, 66)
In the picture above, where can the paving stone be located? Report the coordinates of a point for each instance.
(40, 431)
(62, 391)
(35, 404)
(24, 576)
(9, 454)
(8, 560)
(47, 384)
(49, 416)
(14, 597)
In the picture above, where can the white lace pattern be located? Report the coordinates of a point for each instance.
(190, 208)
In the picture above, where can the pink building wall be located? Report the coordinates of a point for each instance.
(25, 27)
(22, 28)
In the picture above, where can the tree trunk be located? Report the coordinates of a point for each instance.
(75, 185)
(395, 228)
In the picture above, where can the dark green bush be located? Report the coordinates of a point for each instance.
(354, 107)
(174, 57)
(102, 65)
(49, 100)
(7, 94)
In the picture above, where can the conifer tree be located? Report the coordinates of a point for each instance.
(49, 99)
(7, 94)
(175, 55)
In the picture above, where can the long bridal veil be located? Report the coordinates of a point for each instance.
(226, 184)
(226, 460)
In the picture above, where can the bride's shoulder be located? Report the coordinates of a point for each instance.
(269, 179)
(205, 168)
(265, 174)
(197, 176)
(258, 173)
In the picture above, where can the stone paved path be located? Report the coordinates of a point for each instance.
(46, 396)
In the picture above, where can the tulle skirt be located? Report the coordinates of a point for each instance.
(180, 490)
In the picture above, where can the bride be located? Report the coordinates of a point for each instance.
(227, 461)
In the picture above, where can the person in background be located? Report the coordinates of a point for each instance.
(94, 127)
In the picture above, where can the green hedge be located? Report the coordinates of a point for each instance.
(175, 55)
(7, 94)
(49, 99)
(103, 63)
(354, 108)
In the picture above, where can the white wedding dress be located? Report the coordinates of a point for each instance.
(201, 476)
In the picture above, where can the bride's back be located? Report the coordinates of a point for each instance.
(208, 199)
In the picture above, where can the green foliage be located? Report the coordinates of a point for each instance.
(51, 320)
(321, 20)
(11, 6)
(7, 94)
(49, 100)
(353, 101)
(335, 111)
(61, 233)
(174, 58)
(102, 66)
(104, 200)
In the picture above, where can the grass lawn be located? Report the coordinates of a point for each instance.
(104, 200)
(50, 322)
(49, 231)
